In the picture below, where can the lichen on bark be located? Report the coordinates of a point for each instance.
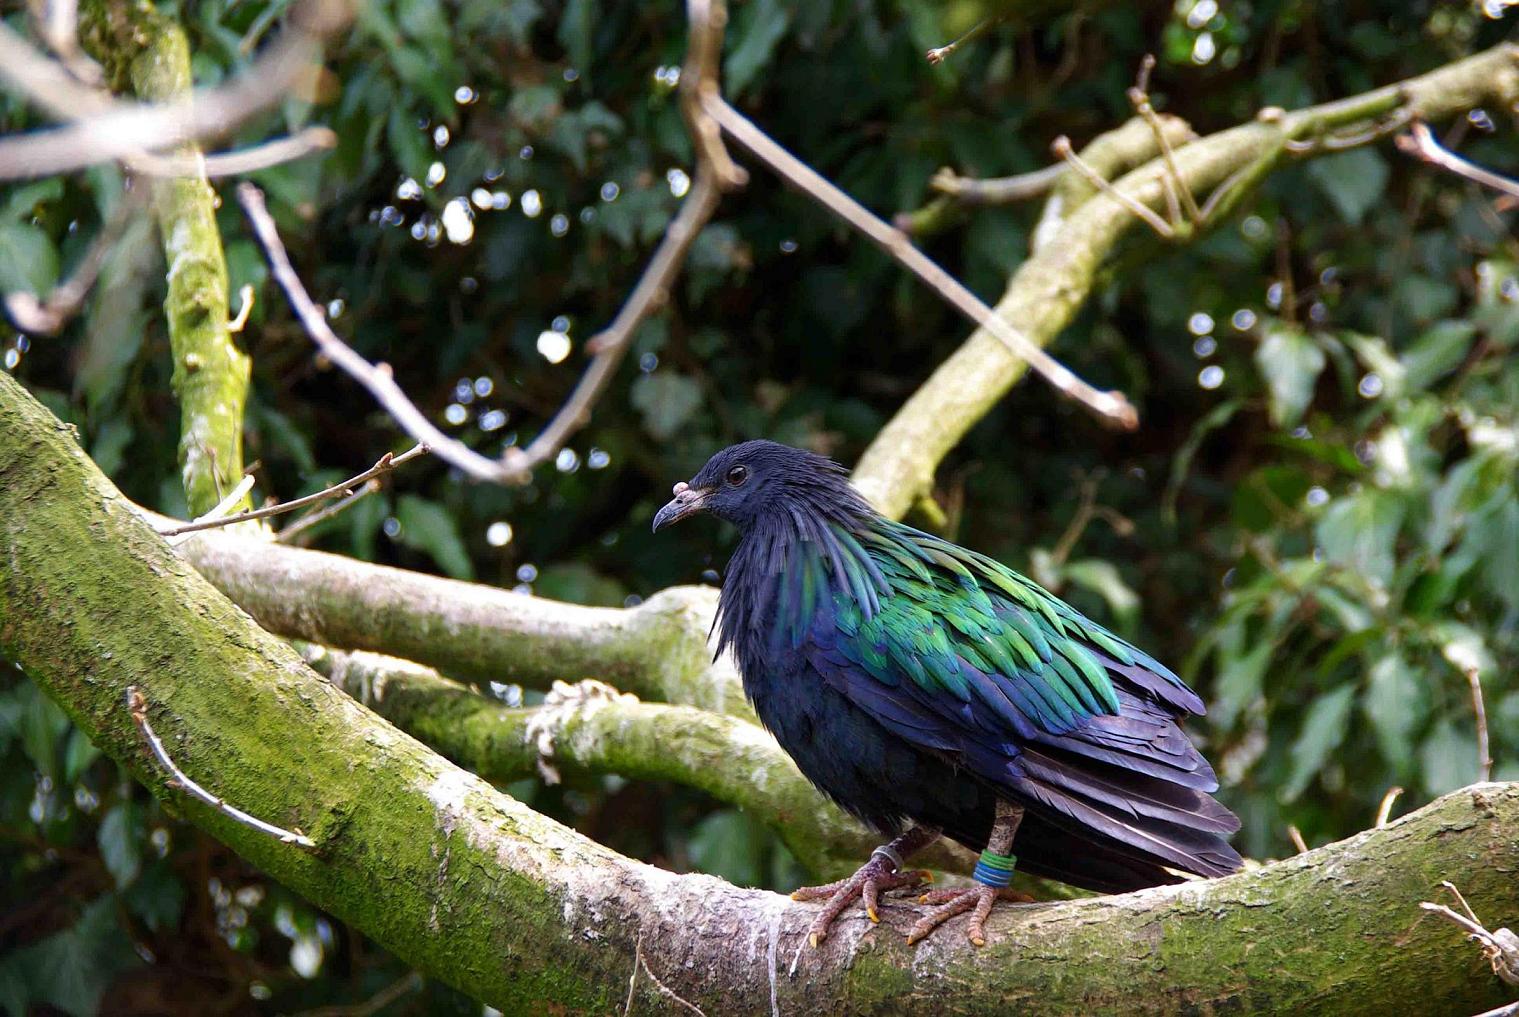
(145, 50)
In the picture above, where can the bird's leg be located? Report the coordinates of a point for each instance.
(993, 872)
(884, 871)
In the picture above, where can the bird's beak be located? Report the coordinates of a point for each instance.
(688, 501)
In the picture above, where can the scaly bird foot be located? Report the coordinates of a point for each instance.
(873, 878)
(977, 899)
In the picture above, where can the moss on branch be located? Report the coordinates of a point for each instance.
(658, 650)
(1048, 289)
(730, 759)
(146, 50)
(479, 891)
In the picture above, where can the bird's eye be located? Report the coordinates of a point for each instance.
(737, 476)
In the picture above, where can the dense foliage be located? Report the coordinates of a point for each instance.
(1319, 516)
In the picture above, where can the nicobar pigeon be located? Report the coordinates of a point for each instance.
(932, 691)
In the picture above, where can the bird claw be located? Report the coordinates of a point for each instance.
(952, 901)
(875, 877)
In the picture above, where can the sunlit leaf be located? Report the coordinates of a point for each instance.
(1291, 362)
(1322, 732)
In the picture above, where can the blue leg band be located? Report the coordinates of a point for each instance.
(994, 870)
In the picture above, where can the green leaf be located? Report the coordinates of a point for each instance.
(1352, 181)
(157, 897)
(1373, 352)
(577, 26)
(428, 527)
(71, 969)
(1291, 363)
(120, 840)
(42, 724)
(22, 201)
(81, 752)
(1437, 352)
(727, 844)
(28, 259)
(1322, 732)
(667, 400)
(760, 26)
(1395, 703)
(1103, 579)
(1360, 532)
(1448, 758)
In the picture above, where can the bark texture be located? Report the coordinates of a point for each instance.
(147, 52)
(478, 890)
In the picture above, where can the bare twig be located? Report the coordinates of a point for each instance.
(137, 705)
(1500, 947)
(996, 190)
(664, 990)
(939, 54)
(1111, 406)
(1296, 836)
(306, 522)
(245, 160)
(715, 173)
(106, 130)
(1421, 143)
(1384, 811)
(1479, 710)
(49, 316)
(1139, 96)
(375, 377)
(386, 463)
(1063, 149)
(374, 1004)
(245, 308)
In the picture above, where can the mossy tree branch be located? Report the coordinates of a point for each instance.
(657, 651)
(480, 891)
(146, 50)
(1047, 290)
(729, 758)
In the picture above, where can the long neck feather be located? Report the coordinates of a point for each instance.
(792, 561)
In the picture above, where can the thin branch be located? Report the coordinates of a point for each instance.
(664, 990)
(306, 522)
(377, 378)
(1479, 711)
(386, 463)
(245, 307)
(244, 160)
(1384, 811)
(716, 172)
(105, 129)
(1296, 837)
(1500, 947)
(374, 1004)
(996, 190)
(1111, 406)
(1139, 96)
(1063, 149)
(1421, 143)
(137, 705)
(939, 54)
(47, 317)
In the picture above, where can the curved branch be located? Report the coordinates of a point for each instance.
(730, 759)
(478, 890)
(1048, 289)
(658, 650)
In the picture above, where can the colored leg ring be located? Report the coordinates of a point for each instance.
(994, 870)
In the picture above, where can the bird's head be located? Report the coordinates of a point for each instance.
(744, 483)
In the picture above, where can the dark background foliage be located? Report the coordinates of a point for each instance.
(1318, 520)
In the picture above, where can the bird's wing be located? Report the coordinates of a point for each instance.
(967, 658)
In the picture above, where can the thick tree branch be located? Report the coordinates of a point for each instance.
(1047, 291)
(730, 759)
(658, 651)
(135, 41)
(478, 890)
